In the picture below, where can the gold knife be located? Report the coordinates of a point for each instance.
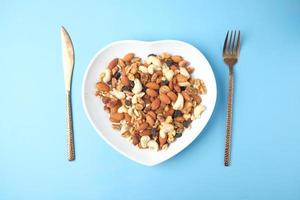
(68, 64)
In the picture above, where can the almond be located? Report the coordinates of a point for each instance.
(128, 57)
(171, 85)
(162, 141)
(172, 96)
(142, 126)
(151, 93)
(135, 139)
(105, 100)
(113, 63)
(170, 112)
(173, 68)
(180, 78)
(116, 117)
(177, 88)
(150, 120)
(164, 98)
(145, 132)
(186, 96)
(155, 104)
(190, 69)
(183, 63)
(197, 98)
(124, 80)
(103, 87)
(152, 85)
(113, 103)
(176, 58)
(114, 109)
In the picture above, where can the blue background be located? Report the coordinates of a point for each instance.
(266, 135)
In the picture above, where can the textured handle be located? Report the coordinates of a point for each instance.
(70, 135)
(229, 119)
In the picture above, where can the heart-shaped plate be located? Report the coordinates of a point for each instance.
(100, 119)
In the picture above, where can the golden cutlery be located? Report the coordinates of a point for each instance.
(231, 52)
(68, 64)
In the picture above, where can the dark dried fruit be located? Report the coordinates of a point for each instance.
(154, 132)
(128, 102)
(177, 113)
(182, 88)
(126, 88)
(144, 88)
(151, 54)
(187, 123)
(165, 82)
(178, 135)
(131, 83)
(117, 75)
(169, 62)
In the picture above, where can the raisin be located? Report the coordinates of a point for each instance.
(131, 83)
(182, 88)
(117, 75)
(128, 102)
(151, 55)
(169, 62)
(178, 135)
(177, 113)
(165, 82)
(144, 88)
(126, 88)
(154, 132)
(187, 123)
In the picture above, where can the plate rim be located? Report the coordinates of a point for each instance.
(146, 42)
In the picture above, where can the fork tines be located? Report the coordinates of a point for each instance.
(232, 46)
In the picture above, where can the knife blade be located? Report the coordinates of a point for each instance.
(68, 65)
(68, 57)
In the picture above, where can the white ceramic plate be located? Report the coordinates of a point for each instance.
(99, 118)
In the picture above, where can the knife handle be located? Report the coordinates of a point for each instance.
(70, 134)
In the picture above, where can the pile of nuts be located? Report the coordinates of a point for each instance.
(151, 102)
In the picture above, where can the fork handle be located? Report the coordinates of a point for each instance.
(229, 118)
(70, 134)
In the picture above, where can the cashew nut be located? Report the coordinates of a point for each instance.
(117, 94)
(184, 72)
(151, 69)
(124, 128)
(134, 99)
(169, 74)
(144, 141)
(137, 86)
(198, 110)
(152, 144)
(107, 76)
(178, 105)
(143, 69)
(122, 109)
(153, 60)
(165, 129)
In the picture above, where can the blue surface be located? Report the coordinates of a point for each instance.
(266, 135)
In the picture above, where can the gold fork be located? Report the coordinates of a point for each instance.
(231, 51)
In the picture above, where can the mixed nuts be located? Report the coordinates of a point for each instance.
(151, 101)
